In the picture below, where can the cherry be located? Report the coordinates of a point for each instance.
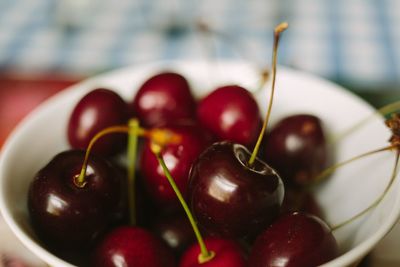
(296, 239)
(232, 192)
(228, 197)
(179, 158)
(222, 254)
(230, 113)
(132, 246)
(296, 147)
(227, 254)
(300, 200)
(163, 99)
(67, 214)
(176, 231)
(99, 109)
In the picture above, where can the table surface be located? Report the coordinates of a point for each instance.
(352, 42)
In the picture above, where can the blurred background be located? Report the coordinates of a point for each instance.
(47, 45)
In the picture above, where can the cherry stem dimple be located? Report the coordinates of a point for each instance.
(377, 201)
(131, 154)
(205, 254)
(334, 167)
(277, 32)
(80, 180)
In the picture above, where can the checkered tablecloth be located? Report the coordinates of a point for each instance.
(355, 42)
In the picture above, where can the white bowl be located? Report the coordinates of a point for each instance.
(351, 189)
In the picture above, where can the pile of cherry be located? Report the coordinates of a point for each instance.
(243, 211)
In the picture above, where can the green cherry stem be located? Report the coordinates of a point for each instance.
(132, 155)
(80, 180)
(377, 201)
(205, 254)
(277, 33)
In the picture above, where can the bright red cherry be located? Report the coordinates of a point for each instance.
(132, 246)
(296, 147)
(231, 113)
(294, 240)
(163, 99)
(99, 109)
(230, 198)
(66, 215)
(178, 157)
(227, 254)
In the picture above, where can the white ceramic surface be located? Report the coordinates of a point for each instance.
(42, 134)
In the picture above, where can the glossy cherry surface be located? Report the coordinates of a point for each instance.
(229, 198)
(69, 216)
(296, 147)
(231, 114)
(301, 200)
(99, 109)
(178, 158)
(227, 254)
(294, 240)
(132, 246)
(176, 231)
(163, 99)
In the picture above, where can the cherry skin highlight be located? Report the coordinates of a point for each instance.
(132, 246)
(163, 99)
(229, 198)
(298, 199)
(176, 232)
(227, 254)
(294, 240)
(178, 157)
(66, 215)
(231, 113)
(296, 147)
(99, 109)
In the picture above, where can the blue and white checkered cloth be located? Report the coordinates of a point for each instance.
(356, 42)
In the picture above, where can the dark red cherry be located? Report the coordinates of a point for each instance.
(132, 246)
(296, 147)
(176, 231)
(227, 254)
(163, 99)
(294, 240)
(99, 109)
(66, 215)
(300, 200)
(178, 158)
(230, 113)
(229, 198)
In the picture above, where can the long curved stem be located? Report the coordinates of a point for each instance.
(384, 111)
(278, 30)
(80, 180)
(334, 167)
(132, 154)
(377, 201)
(205, 255)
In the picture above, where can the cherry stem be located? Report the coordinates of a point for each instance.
(322, 175)
(384, 111)
(132, 154)
(80, 180)
(277, 32)
(205, 254)
(377, 201)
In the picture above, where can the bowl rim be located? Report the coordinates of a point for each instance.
(344, 259)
